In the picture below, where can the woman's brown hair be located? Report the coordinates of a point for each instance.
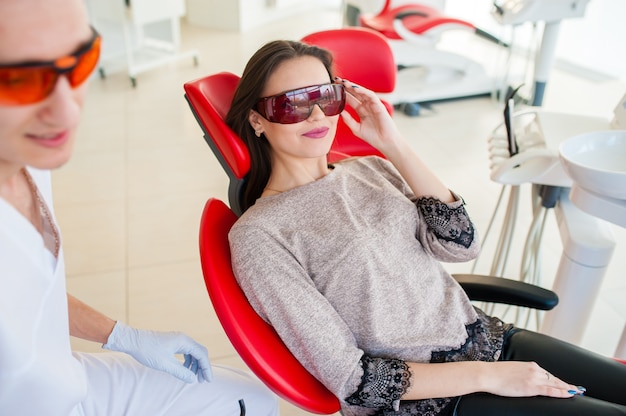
(248, 93)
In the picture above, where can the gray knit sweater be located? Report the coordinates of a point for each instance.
(347, 270)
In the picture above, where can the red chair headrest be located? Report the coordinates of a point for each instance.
(370, 64)
(210, 98)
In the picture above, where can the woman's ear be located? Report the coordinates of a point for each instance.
(254, 119)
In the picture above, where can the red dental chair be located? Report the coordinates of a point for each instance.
(256, 342)
(259, 345)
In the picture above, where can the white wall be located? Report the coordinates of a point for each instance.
(214, 14)
(598, 40)
(243, 15)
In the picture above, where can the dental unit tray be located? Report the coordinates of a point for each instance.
(538, 135)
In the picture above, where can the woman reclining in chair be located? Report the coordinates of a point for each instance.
(344, 261)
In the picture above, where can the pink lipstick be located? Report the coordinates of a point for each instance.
(317, 133)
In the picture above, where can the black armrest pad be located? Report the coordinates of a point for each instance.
(501, 290)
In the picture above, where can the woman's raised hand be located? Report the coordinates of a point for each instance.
(376, 126)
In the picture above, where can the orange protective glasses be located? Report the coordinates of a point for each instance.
(30, 82)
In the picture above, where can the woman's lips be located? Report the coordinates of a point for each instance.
(51, 140)
(317, 133)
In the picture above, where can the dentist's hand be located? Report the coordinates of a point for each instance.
(157, 350)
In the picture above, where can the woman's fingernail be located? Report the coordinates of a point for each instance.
(581, 388)
(355, 86)
(572, 392)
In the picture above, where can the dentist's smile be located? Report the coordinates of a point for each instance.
(50, 140)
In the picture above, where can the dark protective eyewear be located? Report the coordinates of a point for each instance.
(297, 105)
(31, 82)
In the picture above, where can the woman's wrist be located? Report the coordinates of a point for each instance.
(397, 151)
(484, 376)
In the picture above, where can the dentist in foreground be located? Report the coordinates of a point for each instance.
(47, 52)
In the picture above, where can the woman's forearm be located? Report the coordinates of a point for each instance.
(436, 380)
(87, 323)
(503, 378)
(421, 179)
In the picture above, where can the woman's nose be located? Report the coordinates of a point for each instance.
(317, 112)
(63, 106)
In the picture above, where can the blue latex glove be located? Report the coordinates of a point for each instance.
(157, 350)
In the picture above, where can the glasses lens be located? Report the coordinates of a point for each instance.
(332, 99)
(25, 85)
(289, 108)
(86, 64)
(297, 105)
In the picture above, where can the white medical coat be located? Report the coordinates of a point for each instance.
(38, 374)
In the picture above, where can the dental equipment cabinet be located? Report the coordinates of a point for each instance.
(140, 35)
(581, 213)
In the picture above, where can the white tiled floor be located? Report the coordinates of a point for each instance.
(130, 200)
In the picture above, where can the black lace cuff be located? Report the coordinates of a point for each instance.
(384, 381)
(449, 224)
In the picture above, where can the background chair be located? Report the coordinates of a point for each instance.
(427, 73)
(417, 18)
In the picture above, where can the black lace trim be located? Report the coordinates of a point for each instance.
(430, 407)
(449, 224)
(384, 381)
(485, 339)
(484, 343)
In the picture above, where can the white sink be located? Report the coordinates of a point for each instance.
(597, 162)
